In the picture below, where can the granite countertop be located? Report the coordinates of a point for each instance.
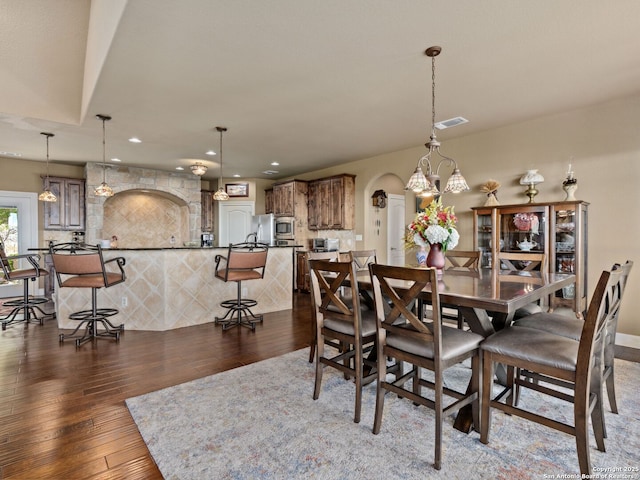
(165, 248)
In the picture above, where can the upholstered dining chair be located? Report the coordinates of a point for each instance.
(561, 361)
(572, 327)
(402, 336)
(244, 261)
(331, 257)
(28, 305)
(83, 266)
(353, 329)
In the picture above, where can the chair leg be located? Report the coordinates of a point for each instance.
(487, 381)
(437, 459)
(319, 368)
(89, 319)
(382, 373)
(582, 436)
(239, 312)
(358, 368)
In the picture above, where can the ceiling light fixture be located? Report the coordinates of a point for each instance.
(135, 140)
(47, 195)
(103, 190)
(422, 185)
(221, 195)
(198, 169)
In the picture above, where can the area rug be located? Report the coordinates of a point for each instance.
(260, 421)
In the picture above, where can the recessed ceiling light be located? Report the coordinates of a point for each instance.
(116, 160)
(275, 164)
(452, 122)
(236, 175)
(270, 172)
(135, 140)
(10, 154)
(179, 168)
(210, 152)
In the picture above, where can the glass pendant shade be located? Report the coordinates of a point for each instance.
(103, 190)
(221, 195)
(47, 195)
(418, 182)
(456, 183)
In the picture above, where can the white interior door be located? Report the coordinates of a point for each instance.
(395, 230)
(19, 233)
(234, 221)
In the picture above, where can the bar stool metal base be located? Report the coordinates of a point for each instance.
(89, 319)
(29, 308)
(239, 313)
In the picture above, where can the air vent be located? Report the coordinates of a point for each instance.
(452, 122)
(270, 172)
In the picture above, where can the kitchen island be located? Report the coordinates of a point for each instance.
(169, 288)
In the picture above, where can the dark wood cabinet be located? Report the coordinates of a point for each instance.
(302, 272)
(68, 213)
(268, 200)
(332, 203)
(206, 211)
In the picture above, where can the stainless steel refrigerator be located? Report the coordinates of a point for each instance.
(263, 226)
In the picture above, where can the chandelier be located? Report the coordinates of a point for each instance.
(47, 195)
(103, 190)
(221, 195)
(425, 186)
(198, 169)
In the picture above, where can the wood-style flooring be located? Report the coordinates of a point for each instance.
(62, 410)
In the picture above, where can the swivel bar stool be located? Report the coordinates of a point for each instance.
(244, 261)
(27, 305)
(82, 266)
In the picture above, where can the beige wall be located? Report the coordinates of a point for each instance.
(603, 140)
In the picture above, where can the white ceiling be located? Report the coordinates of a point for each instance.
(306, 83)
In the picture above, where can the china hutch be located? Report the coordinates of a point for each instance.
(557, 229)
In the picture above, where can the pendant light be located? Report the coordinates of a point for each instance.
(47, 195)
(422, 185)
(103, 190)
(221, 195)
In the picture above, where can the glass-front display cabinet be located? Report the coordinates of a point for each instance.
(558, 229)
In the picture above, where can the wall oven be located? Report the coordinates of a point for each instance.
(285, 228)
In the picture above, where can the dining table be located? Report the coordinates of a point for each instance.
(487, 298)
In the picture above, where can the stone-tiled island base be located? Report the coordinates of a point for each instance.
(174, 288)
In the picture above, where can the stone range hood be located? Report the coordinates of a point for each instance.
(181, 188)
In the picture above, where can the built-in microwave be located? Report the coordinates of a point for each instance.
(285, 228)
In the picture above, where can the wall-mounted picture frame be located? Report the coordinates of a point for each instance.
(237, 189)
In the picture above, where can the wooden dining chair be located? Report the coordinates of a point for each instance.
(402, 336)
(561, 361)
(459, 260)
(362, 258)
(526, 262)
(332, 257)
(345, 323)
(462, 259)
(572, 327)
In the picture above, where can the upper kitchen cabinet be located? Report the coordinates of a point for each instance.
(289, 198)
(68, 212)
(332, 203)
(207, 210)
(268, 200)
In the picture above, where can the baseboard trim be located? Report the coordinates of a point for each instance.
(628, 347)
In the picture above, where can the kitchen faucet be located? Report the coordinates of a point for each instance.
(254, 235)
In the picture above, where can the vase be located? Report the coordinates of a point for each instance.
(570, 190)
(435, 258)
(422, 257)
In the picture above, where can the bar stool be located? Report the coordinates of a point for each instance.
(27, 305)
(82, 266)
(244, 261)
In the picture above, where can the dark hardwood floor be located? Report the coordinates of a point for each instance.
(62, 410)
